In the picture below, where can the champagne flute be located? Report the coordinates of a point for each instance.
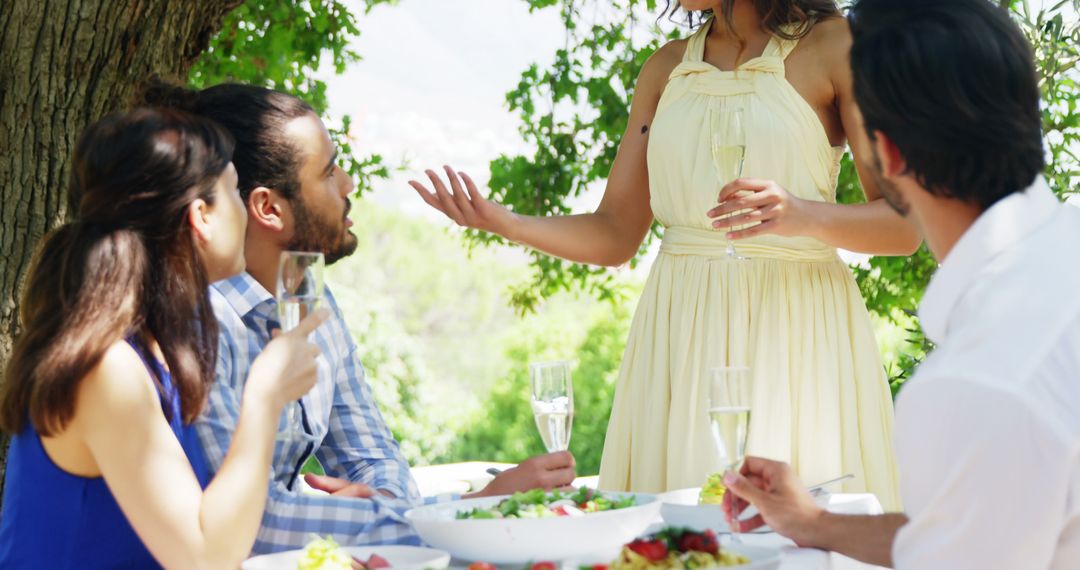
(729, 419)
(553, 403)
(299, 293)
(728, 153)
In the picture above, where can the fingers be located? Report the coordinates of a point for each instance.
(470, 186)
(756, 200)
(555, 469)
(480, 204)
(428, 197)
(763, 228)
(752, 523)
(446, 201)
(742, 487)
(760, 466)
(461, 199)
(311, 322)
(742, 185)
(552, 479)
(325, 483)
(730, 505)
(733, 506)
(556, 460)
(356, 491)
(339, 487)
(550, 471)
(758, 215)
(557, 478)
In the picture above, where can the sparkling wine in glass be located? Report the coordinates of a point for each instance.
(299, 293)
(729, 418)
(728, 154)
(553, 403)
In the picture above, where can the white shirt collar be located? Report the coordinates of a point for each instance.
(997, 229)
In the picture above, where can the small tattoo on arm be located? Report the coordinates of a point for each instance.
(644, 129)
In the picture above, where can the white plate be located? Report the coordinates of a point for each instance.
(761, 558)
(517, 541)
(399, 557)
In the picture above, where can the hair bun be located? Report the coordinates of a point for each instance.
(156, 92)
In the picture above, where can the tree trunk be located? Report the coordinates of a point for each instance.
(63, 65)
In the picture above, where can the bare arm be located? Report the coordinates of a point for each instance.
(120, 420)
(872, 228)
(609, 236)
(867, 538)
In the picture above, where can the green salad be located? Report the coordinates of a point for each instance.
(323, 553)
(539, 504)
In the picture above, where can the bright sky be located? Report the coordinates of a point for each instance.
(431, 87)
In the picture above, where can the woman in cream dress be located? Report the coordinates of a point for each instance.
(791, 311)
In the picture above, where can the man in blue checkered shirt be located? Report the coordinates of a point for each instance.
(297, 199)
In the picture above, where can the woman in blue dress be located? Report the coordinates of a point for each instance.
(117, 351)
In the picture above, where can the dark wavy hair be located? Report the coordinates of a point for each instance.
(126, 266)
(788, 19)
(952, 83)
(255, 116)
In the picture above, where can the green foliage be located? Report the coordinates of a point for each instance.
(1056, 42)
(427, 319)
(448, 360)
(281, 44)
(505, 430)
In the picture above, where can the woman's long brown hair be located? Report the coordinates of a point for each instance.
(788, 19)
(126, 266)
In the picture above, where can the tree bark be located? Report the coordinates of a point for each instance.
(63, 65)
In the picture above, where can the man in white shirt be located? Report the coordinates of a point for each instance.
(988, 431)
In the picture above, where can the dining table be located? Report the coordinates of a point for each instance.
(464, 477)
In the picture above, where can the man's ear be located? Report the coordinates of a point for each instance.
(893, 163)
(266, 209)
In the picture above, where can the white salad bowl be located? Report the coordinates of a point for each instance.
(517, 541)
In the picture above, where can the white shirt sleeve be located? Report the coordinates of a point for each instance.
(982, 477)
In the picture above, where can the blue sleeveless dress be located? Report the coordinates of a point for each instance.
(53, 519)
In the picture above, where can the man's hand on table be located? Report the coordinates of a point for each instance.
(337, 487)
(551, 471)
(784, 504)
(782, 501)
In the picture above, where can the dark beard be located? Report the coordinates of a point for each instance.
(888, 189)
(313, 233)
